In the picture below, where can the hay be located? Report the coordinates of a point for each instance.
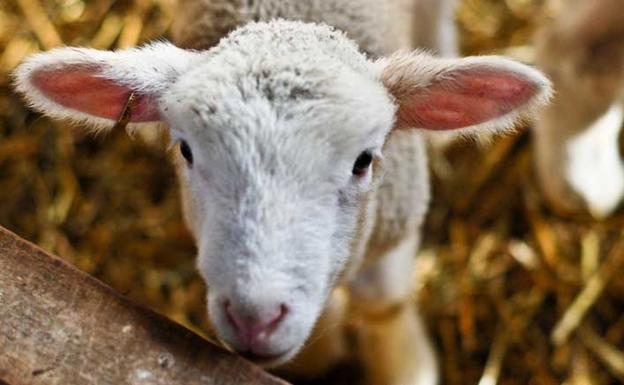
(514, 294)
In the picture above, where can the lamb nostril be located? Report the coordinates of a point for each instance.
(251, 330)
(235, 320)
(281, 315)
(273, 324)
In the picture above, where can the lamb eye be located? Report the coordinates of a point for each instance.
(186, 152)
(362, 163)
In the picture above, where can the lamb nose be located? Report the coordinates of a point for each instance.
(252, 331)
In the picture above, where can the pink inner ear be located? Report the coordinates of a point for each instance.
(466, 99)
(79, 88)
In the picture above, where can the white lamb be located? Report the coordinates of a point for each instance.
(303, 168)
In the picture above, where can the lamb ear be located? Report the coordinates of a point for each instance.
(93, 86)
(472, 94)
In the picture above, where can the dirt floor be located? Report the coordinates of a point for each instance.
(513, 293)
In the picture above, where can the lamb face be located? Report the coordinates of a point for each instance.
(272, 122)
(277, 128)
(272, 195)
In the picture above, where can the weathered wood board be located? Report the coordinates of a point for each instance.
(60, 326)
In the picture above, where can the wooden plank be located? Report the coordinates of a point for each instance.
(60, 326)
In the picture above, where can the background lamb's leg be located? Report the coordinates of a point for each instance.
(551, 161)
(392, 340)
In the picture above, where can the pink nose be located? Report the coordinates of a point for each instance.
(253, 331)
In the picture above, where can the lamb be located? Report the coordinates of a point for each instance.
(577, 150)
(303, 170)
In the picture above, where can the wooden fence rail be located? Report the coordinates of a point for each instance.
(59, 326)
